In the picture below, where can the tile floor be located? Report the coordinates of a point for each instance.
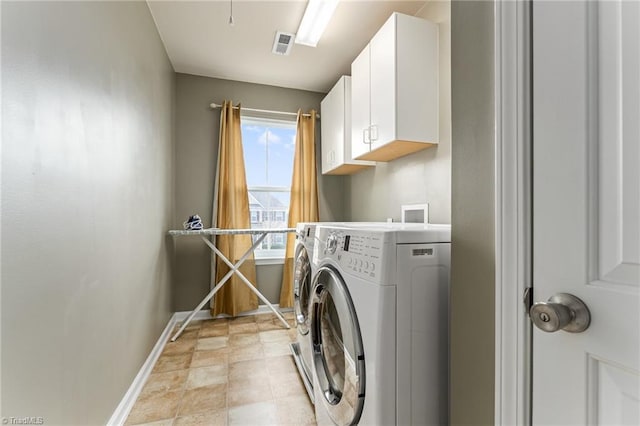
(235, 371)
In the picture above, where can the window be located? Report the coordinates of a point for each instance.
(255, 216)
(268, 154)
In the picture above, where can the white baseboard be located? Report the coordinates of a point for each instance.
(262, 309)
(121, 413)
(204, 314)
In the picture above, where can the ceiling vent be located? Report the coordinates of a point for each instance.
(282, 43)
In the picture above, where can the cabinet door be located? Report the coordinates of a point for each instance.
(360, 104)
(332, 127)
(383, 84)
(416, 79)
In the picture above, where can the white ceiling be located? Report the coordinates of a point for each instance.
(200, 41)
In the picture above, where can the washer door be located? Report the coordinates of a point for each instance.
(338, 355)
(302, 290)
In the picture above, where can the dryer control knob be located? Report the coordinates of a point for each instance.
(331, 244)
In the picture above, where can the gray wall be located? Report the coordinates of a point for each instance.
(197, 131)
(424, 177)
(87, 95)
(473, 274)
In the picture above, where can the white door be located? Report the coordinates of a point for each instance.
(586, 214)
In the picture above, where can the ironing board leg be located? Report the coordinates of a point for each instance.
(248, 283)
(234, 269)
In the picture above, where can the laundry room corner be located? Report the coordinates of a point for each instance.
(197, 128)
(378, 193)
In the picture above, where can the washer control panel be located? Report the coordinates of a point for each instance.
(357, 252)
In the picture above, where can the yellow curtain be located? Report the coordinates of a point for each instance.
(304, 195)
(231, 210)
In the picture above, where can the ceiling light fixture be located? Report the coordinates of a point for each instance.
(314, 21)
(231, 22)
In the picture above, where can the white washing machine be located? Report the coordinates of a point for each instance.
(379, 324)
(302, 277)
(303, 273)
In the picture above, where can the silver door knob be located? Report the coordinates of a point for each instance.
(562, 311)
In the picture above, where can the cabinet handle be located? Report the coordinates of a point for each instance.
(374, 132)
(366, 135)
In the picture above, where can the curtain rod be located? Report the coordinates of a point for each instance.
(268, 111)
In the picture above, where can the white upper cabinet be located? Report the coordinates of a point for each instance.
(335, 127)
(395, 90)
(360, 105)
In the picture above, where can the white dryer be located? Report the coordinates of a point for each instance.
(379, 324)
(302, 277)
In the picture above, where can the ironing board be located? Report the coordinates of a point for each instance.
(204, 233)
